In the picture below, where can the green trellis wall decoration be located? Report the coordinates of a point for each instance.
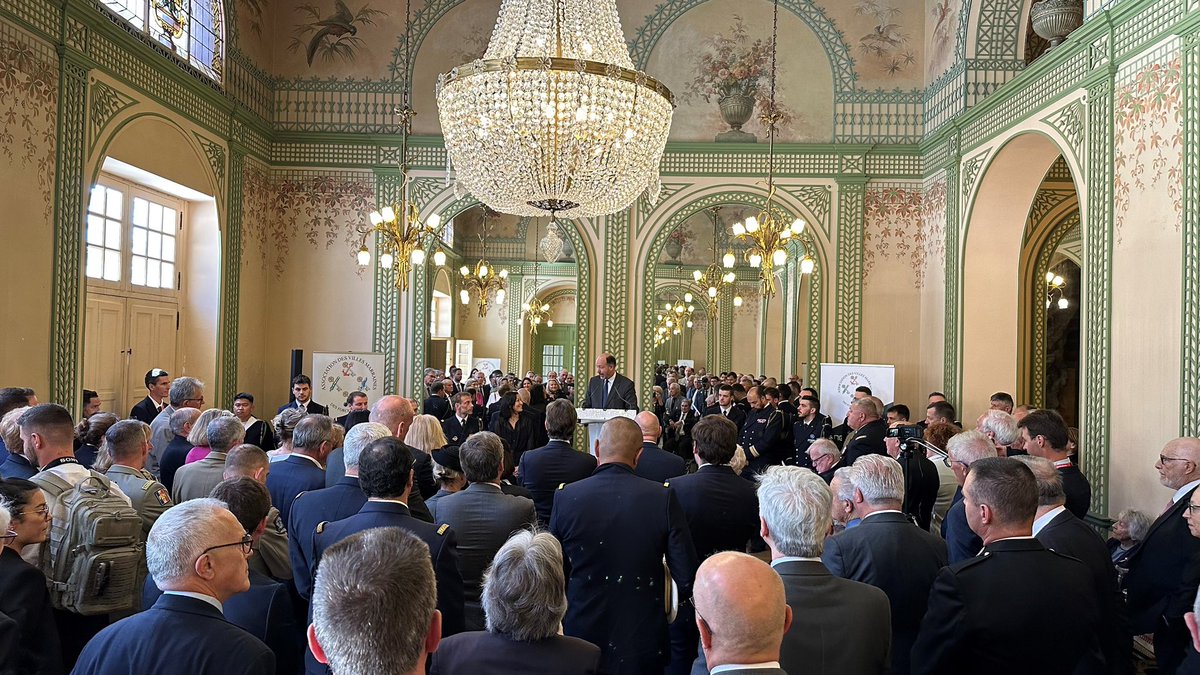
(231, 275)
(1189, 418)
(385, 331)
(851, 221)
(1037, 348)
(617, 232)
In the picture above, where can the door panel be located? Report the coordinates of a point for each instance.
(104, 358)
(152, 338)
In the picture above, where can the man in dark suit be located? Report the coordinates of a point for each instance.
(335, 463)
(265, 610)
(1060, 531)
(1044, 434)
(459, 426)
(302, 397)
(438, 403)
(524, 598)
(1164, 570)
(608, 389)
(175, 453)
(838, 626)
(655, 463)
(341, 500)
(825, 458)
(1015, 608)
(722, 514)
(866, 419)
(355, 401)
(764, 433)
(304, 469)
(482, 516)
(544, 469)
(386, 476)
(158, 388)
(725, 407)
(188, 618)
(922, 482)
(679, 430)
(387, 622)
(962, 451)
(742, 614)
(643, 522)
(809, 426)
(887, 551)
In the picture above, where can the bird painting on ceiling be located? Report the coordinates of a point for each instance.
(333, 36)
(887, 43)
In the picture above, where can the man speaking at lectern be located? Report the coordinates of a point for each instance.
(608, 389)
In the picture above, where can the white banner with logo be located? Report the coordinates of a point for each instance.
(839, 380)
(336, 374)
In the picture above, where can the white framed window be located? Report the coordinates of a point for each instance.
(552, 358)
(132, 236)
(193, 29)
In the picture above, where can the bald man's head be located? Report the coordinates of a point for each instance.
(649, 424)
(620, 441)
(393, 412)
(741, 609)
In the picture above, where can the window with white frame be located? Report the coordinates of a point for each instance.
(132, 237)
(192, 29)
(552, 358)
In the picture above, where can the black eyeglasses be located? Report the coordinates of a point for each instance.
(247, 544)
(1192, 508)
(949, 463)
(1163, 459)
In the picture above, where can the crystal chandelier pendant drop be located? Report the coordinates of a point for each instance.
(554, 118)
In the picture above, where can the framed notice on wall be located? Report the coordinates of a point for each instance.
(839, 380)
(336, 374)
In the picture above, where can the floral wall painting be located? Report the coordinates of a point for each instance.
(331, 35)
(716, 58)
(1148, 140)
(887, 46)
(894, 226)
(941, 36)
(28, 116)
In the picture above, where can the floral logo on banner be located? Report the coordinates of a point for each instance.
(28, 106)
(893, 226)
(1148, 139)
(932, 235)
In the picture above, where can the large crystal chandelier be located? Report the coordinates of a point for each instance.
(553, 118)
(767, 235)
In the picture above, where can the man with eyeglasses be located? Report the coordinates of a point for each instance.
(1162, 579)
(186, 392)
(197, 555)
(961, 451)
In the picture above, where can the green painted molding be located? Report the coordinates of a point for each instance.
(66, 327)
(725, 353)
(231, 277)
(519, 288)
(851, 226)
(1097, 292)
(1189, 394)
(106, 103)
(951, 358)
(385, 332)
(1036, 371)
(617, 233)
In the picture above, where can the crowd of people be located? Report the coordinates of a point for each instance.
(730, 527)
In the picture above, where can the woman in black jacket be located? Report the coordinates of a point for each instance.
(517, 428)
(23, 595)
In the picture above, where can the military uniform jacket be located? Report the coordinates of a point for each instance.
(271, 552)
(443, 551)
(544, 469)
(147, 496)
(615, 581)
(331, 504)
(457, 432)
(803, 435)
(735, 415)
(298, 473)
(196, 480)
(1015, 608)
(763, 438)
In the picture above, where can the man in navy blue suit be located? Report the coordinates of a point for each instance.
(385, 474)
(556, 463)
(961, 451)
(615, 590)
(655, 463)
(462, 422)
(265, 611)
(302, 397)
(196, 553)
(304, 469)
(342, 500)
(722, 515)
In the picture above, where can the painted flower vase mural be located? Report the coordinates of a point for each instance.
(675, 242)
(735, 72)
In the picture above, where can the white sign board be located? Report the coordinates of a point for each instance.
(486, 365)
(336, 374)
(686, 363)
(839, 380)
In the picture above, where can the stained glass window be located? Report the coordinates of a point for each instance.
(192, 29)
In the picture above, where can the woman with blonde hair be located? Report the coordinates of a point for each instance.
(285, 425)
(198, 436)
(425, 434)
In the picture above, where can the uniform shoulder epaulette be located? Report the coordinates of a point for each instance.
(321, 526)
(562, 485)
(442, 530)
(146, 486)
(299, 495)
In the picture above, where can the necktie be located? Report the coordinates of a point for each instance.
(604, 401)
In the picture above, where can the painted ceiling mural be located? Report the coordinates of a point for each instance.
(713, 54)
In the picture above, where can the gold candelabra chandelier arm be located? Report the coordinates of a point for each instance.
(485, 282)
(537, 313)
(403, 239)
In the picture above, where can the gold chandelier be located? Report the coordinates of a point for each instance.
(677, 314)
(484, 280)
(402, 236)
(1054, 291)
(536, 311)
(553, 118)
(767, 235)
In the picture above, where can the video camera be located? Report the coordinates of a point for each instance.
(905, 433)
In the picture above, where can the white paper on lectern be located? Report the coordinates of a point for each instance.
(594, 419)
(839, 380)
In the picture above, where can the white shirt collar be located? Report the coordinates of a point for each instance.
(389, 501)
(793, 558)
(311, 459)
(1045, 519)
(874, 513)
(249, 422)
(765, 665)
(199, 596)
(1184, 490)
